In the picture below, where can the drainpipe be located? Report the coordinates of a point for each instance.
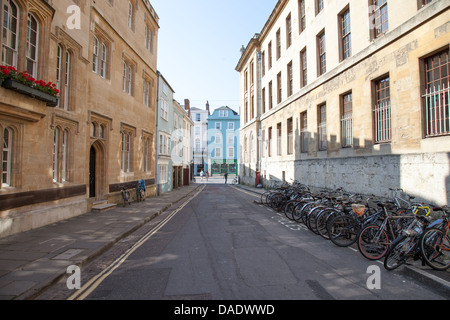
(258, 113)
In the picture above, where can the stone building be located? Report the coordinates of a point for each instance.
(174, 152)
(350, 94)
(59, 162)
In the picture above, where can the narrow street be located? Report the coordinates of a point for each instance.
(223, 246)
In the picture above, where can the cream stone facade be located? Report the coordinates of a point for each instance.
(60, 162)
(337, 94)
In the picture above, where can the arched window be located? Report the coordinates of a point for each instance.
(146, 154)
(10, 32)
(65, 150)
(93, 130)
(130, 15)
(32, 45)
(103, 61)
(102, 132)
(95, 55)
(7, 157)
(126, 152)
(58, 67)
(67, 80)
(148, 38)
(55, 154)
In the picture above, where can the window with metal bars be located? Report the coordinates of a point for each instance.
(382, 111)
(304, 131)
(437, 94)
(347, 120)
(322, 126)
(290, 136)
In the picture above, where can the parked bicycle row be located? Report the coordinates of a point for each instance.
(395, 230)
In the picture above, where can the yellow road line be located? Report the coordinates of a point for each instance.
(94, 282)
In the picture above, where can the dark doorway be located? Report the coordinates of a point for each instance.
(92, 173)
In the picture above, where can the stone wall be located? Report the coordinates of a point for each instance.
(425, 176)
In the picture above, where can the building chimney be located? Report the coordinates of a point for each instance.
(187, 107)
(207, 106)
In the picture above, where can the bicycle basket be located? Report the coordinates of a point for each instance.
(358, 209)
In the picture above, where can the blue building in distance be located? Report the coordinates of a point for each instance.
(223, 141)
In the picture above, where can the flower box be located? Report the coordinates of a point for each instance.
(24, 89)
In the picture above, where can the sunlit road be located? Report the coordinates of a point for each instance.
(222, 245)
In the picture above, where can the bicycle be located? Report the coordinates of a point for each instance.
(407, 244)
(140, 191)
(343, 229)
(435, 243)
(374, 240)
(125, 195)
(406, 205)
(235, 180)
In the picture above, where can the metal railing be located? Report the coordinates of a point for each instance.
(437, 110)
(383, 129)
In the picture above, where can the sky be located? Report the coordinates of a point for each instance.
(199, 44)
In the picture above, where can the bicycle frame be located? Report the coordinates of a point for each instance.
(415, 207)
(125, 195)
(440, 247)
(388, 226)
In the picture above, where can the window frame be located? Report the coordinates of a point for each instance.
(382, 110)
(345, 34)
(346, 100)
(8, 150)
(95, 55)
(379, 18)
(33, 60)
(9, 32)
(304, 137)
(322, 127)
(321, 53)
(303, 68)
(436, 93)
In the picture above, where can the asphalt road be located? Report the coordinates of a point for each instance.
(221, 245)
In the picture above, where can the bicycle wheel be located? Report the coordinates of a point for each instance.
(322, 222)
(297, 211)
(312, 218)
(125, 197)
(343, 231)
(373, 242)
(305, 212)
(397, 253)
(435, 249)
(289, 208)
(264, 197)
(276, 201)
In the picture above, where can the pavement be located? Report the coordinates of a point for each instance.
(33, 261)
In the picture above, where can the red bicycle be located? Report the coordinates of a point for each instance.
(435, 243)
